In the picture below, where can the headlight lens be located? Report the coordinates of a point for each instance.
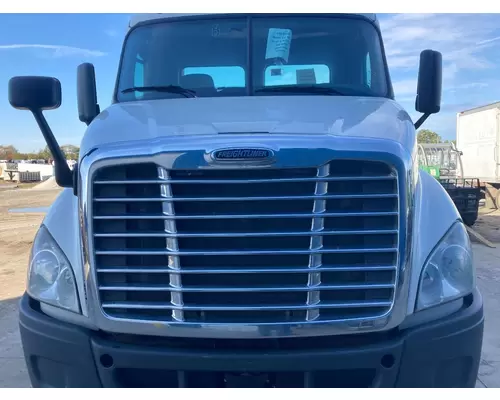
(449, 272)
(50, 276)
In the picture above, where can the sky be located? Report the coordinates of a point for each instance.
(55, 44)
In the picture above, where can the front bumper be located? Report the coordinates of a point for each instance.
(444, 353)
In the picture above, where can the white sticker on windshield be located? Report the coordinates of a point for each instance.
(306, 76)
(278, 43)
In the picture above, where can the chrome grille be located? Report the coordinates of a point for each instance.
(246, 245)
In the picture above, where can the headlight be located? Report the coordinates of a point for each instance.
(449, 272)
(50, 276)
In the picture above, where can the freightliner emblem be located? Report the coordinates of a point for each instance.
(242, 154)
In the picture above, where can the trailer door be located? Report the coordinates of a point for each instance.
(477, 139)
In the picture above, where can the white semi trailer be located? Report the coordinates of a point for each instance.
(478, 138)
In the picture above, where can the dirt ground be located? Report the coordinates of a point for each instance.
(17, 231)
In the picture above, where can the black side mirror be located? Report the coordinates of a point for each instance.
(35, 93)
(88, 108)
(429, 86)
(430, 77)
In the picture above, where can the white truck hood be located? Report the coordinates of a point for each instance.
(329, 115)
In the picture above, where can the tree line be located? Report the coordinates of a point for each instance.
(428, 136)
(9, 152)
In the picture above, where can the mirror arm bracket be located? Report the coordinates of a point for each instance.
(421, 120)
(63, 173)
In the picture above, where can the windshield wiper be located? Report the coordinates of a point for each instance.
(167, 89)
(302, 89)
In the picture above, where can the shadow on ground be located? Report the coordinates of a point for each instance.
(488, 225)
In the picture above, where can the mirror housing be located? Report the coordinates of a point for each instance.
(429, 86)
(88, 108)
(35, 93)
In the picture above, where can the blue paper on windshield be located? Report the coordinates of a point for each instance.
(278, 43)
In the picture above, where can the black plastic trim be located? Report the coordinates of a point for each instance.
(443, 353)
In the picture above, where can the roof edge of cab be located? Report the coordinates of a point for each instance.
(139, 18)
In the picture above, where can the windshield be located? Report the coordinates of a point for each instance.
(258, 56)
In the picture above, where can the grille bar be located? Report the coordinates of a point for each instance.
(270, 198)
(185, 289)
(247, 234)
(250, 216)
(314, 251)
(316, 244)
(239, 181)
(236, 270)
(172, 246)
(156, 306)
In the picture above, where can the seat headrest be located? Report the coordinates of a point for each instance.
(197, 81)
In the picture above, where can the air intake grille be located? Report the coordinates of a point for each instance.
(246, 245)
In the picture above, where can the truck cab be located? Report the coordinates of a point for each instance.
(249, 212)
